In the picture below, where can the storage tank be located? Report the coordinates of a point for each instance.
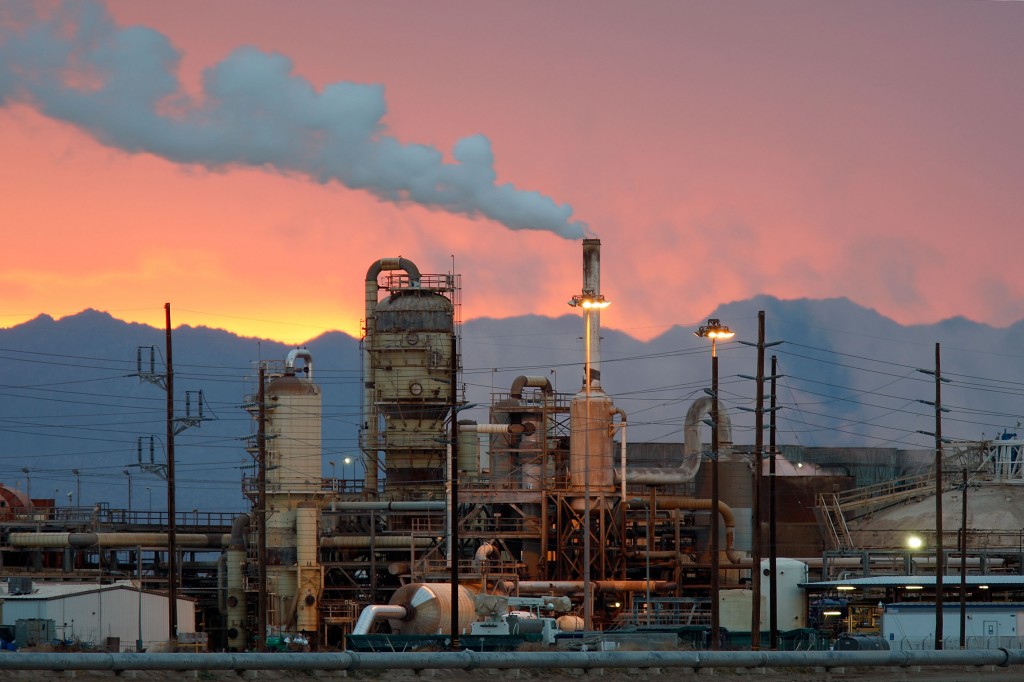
(792, 610)
(430, 609)
(293, 426)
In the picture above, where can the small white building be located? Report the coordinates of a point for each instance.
(91, 613)
(988, 625)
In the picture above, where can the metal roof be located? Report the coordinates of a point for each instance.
(948, 581)
(58, 590)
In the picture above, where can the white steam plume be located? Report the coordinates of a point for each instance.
(120, 86)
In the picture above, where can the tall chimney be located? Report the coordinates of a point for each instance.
(592, 288)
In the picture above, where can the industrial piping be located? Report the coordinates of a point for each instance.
(513, 660)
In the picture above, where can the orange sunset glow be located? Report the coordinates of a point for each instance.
(247, 161)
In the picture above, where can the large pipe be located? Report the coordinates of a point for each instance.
(376, 612)
(379, 542)
(295, 354)
(82, 540)
(522, 381)
(513, 660)
(416, 505)
(371, 446)
(687, 469)
(562, 587)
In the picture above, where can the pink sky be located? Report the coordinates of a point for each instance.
(720, 150)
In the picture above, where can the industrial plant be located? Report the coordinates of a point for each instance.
(544, 520)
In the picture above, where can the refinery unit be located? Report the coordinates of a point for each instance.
(553, 508)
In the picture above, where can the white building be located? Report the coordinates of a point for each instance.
(91, 613)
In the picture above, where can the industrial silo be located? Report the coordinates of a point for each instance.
(293, 494)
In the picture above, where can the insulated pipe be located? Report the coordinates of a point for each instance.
(371, 437)
(380, 542)
(563, 587)
(501, 429)
(293, 355)
(522, 381)
(418, 505)
(111, 540)
(375, 612)
(513, 660)
(698, 504)
(484, 551)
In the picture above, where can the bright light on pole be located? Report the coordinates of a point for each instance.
(714, 330)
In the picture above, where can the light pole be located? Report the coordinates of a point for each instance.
(334, 480)
(129, 475)
(28, 482)
(589, 301)
(150, 492)
(714, 330)
(78, 486)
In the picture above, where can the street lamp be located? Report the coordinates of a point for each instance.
(589, 301)
(78, 486)
(714, 330)
(334, 481)
(129, 475)
(28, 482)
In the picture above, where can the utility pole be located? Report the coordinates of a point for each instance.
(172, 540)
(756, 549)
(773, 553)
(940, 559)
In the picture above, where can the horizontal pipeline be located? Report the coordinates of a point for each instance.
(508, 660)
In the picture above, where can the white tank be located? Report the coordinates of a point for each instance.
(792, 610)
(293, 428)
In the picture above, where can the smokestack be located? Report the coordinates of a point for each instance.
(592, 289)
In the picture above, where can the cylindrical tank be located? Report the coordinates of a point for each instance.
(569, 623)
(293, 428)
(792, 611)
(430, 609)
(235, 568)
(592, 434)
(469, 452)
(309, 579)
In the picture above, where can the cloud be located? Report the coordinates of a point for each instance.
(120, 86)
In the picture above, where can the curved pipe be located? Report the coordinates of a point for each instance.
(370, 429)
(522, 381)
(484, 551)
(699, 504)
(295, 354)
(239, 532)
(375, 612)
(692, 449)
